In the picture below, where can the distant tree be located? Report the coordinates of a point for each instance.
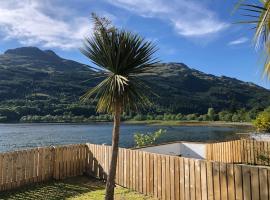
(191, 117)
(159, 117)
(211, 114)
(139, 117)
(225, 116)
(236, 117)
(122, 57)
(179, 116)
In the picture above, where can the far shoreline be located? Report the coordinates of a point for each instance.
(155, 123)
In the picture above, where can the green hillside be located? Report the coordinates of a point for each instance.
(39, 83)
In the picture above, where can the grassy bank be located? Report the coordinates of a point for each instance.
(190, 123)
(78, 188)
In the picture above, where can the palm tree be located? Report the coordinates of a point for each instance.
(122, 57)
(259, 14)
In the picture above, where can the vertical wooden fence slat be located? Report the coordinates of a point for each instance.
(159, 177)
(238, 178)
(163, 183)
(192, 180)
(167, 177)
(230, 178)
(182, 178)
(255, 190)
(204, 180)
(210, 181)
(216, 174)
(246, 183)
(198, 180)
(177, 178)
(263, 184)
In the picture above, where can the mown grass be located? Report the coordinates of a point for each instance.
(78, 188)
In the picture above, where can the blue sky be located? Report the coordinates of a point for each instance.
(199, 33)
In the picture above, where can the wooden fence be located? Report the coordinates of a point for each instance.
(177, 178)
(164, 177)
(240, 151)
(24, 167)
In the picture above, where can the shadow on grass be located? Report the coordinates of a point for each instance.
(55, 190)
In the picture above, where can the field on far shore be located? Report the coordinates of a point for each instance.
(191, 123)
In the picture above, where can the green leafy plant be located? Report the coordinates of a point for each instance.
(262, 122)
(142, 139)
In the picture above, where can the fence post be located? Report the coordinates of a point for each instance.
(86, 159)
(52, 164)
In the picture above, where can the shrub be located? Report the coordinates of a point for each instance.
(262, 122)
(147, 139)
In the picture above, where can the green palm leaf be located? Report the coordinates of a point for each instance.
(122, 57)
(260, 14)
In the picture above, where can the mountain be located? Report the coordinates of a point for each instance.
(37, 82)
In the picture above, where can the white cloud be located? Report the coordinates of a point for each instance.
(239, 41)
(28, 22)
(189, 18)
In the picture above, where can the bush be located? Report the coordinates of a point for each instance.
(262, 122)
(147, 139)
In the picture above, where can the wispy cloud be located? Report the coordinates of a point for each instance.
(238, 41)
(189, 18)
(30, 23)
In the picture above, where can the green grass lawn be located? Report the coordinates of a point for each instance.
(78, 188)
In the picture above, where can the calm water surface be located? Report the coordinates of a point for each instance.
(18, 136)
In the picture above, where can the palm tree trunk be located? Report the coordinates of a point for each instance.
(115, 141)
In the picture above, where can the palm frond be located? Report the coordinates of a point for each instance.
(260, 14)
(124, 57)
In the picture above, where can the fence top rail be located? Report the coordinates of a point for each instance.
(42, 147)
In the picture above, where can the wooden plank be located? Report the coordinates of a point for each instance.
(140, 171)
(163, 182)
(36, 165)
(127, 168)
(136, 170)
(182, 178)
(223, 181)
(14, 167)
(238, 182)
(198, 180)
(159, 176)
(246, 182)
(1, 172)
(167, 177)
(155, 178)
(216, 176)
(172, 177)
(177, 178)
(148, 173)
(187, 181)
(144, 173)
(192, 183)
(151, 174)
(204, 180)
(210, 180)
(263, 184)
(230, 178)
(255, 185)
